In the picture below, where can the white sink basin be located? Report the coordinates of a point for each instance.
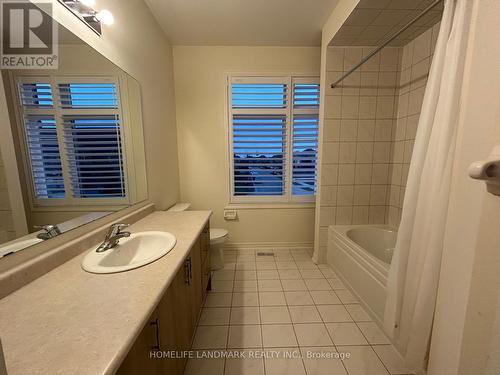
(135, 251)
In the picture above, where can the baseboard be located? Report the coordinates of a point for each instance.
(268, 245)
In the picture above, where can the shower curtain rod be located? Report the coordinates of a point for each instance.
(375, 51)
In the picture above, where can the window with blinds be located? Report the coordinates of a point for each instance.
(274, 136)
(73, 137)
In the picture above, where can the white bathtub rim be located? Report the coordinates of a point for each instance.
(379, 268)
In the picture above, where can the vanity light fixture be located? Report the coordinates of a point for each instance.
(106, 17)
(84, 10)
(88, 3)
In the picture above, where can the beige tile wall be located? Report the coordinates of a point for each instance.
(415, 64)
(6, 223)
(359, 118)
(369, 131)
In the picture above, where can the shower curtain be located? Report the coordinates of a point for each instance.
(414, 274)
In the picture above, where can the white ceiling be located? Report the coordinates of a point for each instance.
(242, 22)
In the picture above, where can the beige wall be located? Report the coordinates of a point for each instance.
(200, 90)
(137, 45)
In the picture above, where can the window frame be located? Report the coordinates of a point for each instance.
(289, 80)
(68, 202)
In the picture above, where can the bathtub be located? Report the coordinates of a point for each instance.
(361, 256)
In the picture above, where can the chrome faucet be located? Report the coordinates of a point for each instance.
(51, 231)
(113, 236)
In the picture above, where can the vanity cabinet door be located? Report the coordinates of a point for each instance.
(205, 260)
(138, 360)
(181, 306)
(168, 336)
(196, 282)
(172, 326)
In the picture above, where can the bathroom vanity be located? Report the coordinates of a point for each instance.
(70, 321)
(170, 328)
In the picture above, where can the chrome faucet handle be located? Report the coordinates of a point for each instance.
(51, 231)
(113, 236)
(116, 229)
(119, 226)
(47, 227)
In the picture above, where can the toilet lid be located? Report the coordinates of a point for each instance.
(217, 233)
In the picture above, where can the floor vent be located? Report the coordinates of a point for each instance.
(265, 254)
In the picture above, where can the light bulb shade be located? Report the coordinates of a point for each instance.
(87, 3)
(106, 17)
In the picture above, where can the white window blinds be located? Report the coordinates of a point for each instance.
(274, 128)
(305, 136)
(74, 139)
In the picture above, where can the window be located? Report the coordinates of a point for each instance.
(274, 138)
(73, 137)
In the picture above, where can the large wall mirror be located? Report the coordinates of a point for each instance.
(72, 145)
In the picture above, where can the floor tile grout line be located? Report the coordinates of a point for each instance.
(293, 327)
(316, 305)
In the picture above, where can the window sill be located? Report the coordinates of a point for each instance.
(257, 206)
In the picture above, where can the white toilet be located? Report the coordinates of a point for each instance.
(218, 238)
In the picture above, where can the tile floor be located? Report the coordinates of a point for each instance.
(298, 314)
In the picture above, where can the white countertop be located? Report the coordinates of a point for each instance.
(72, 322)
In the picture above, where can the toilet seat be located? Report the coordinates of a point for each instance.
(218, 235)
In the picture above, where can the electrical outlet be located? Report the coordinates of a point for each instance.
(230, 215)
